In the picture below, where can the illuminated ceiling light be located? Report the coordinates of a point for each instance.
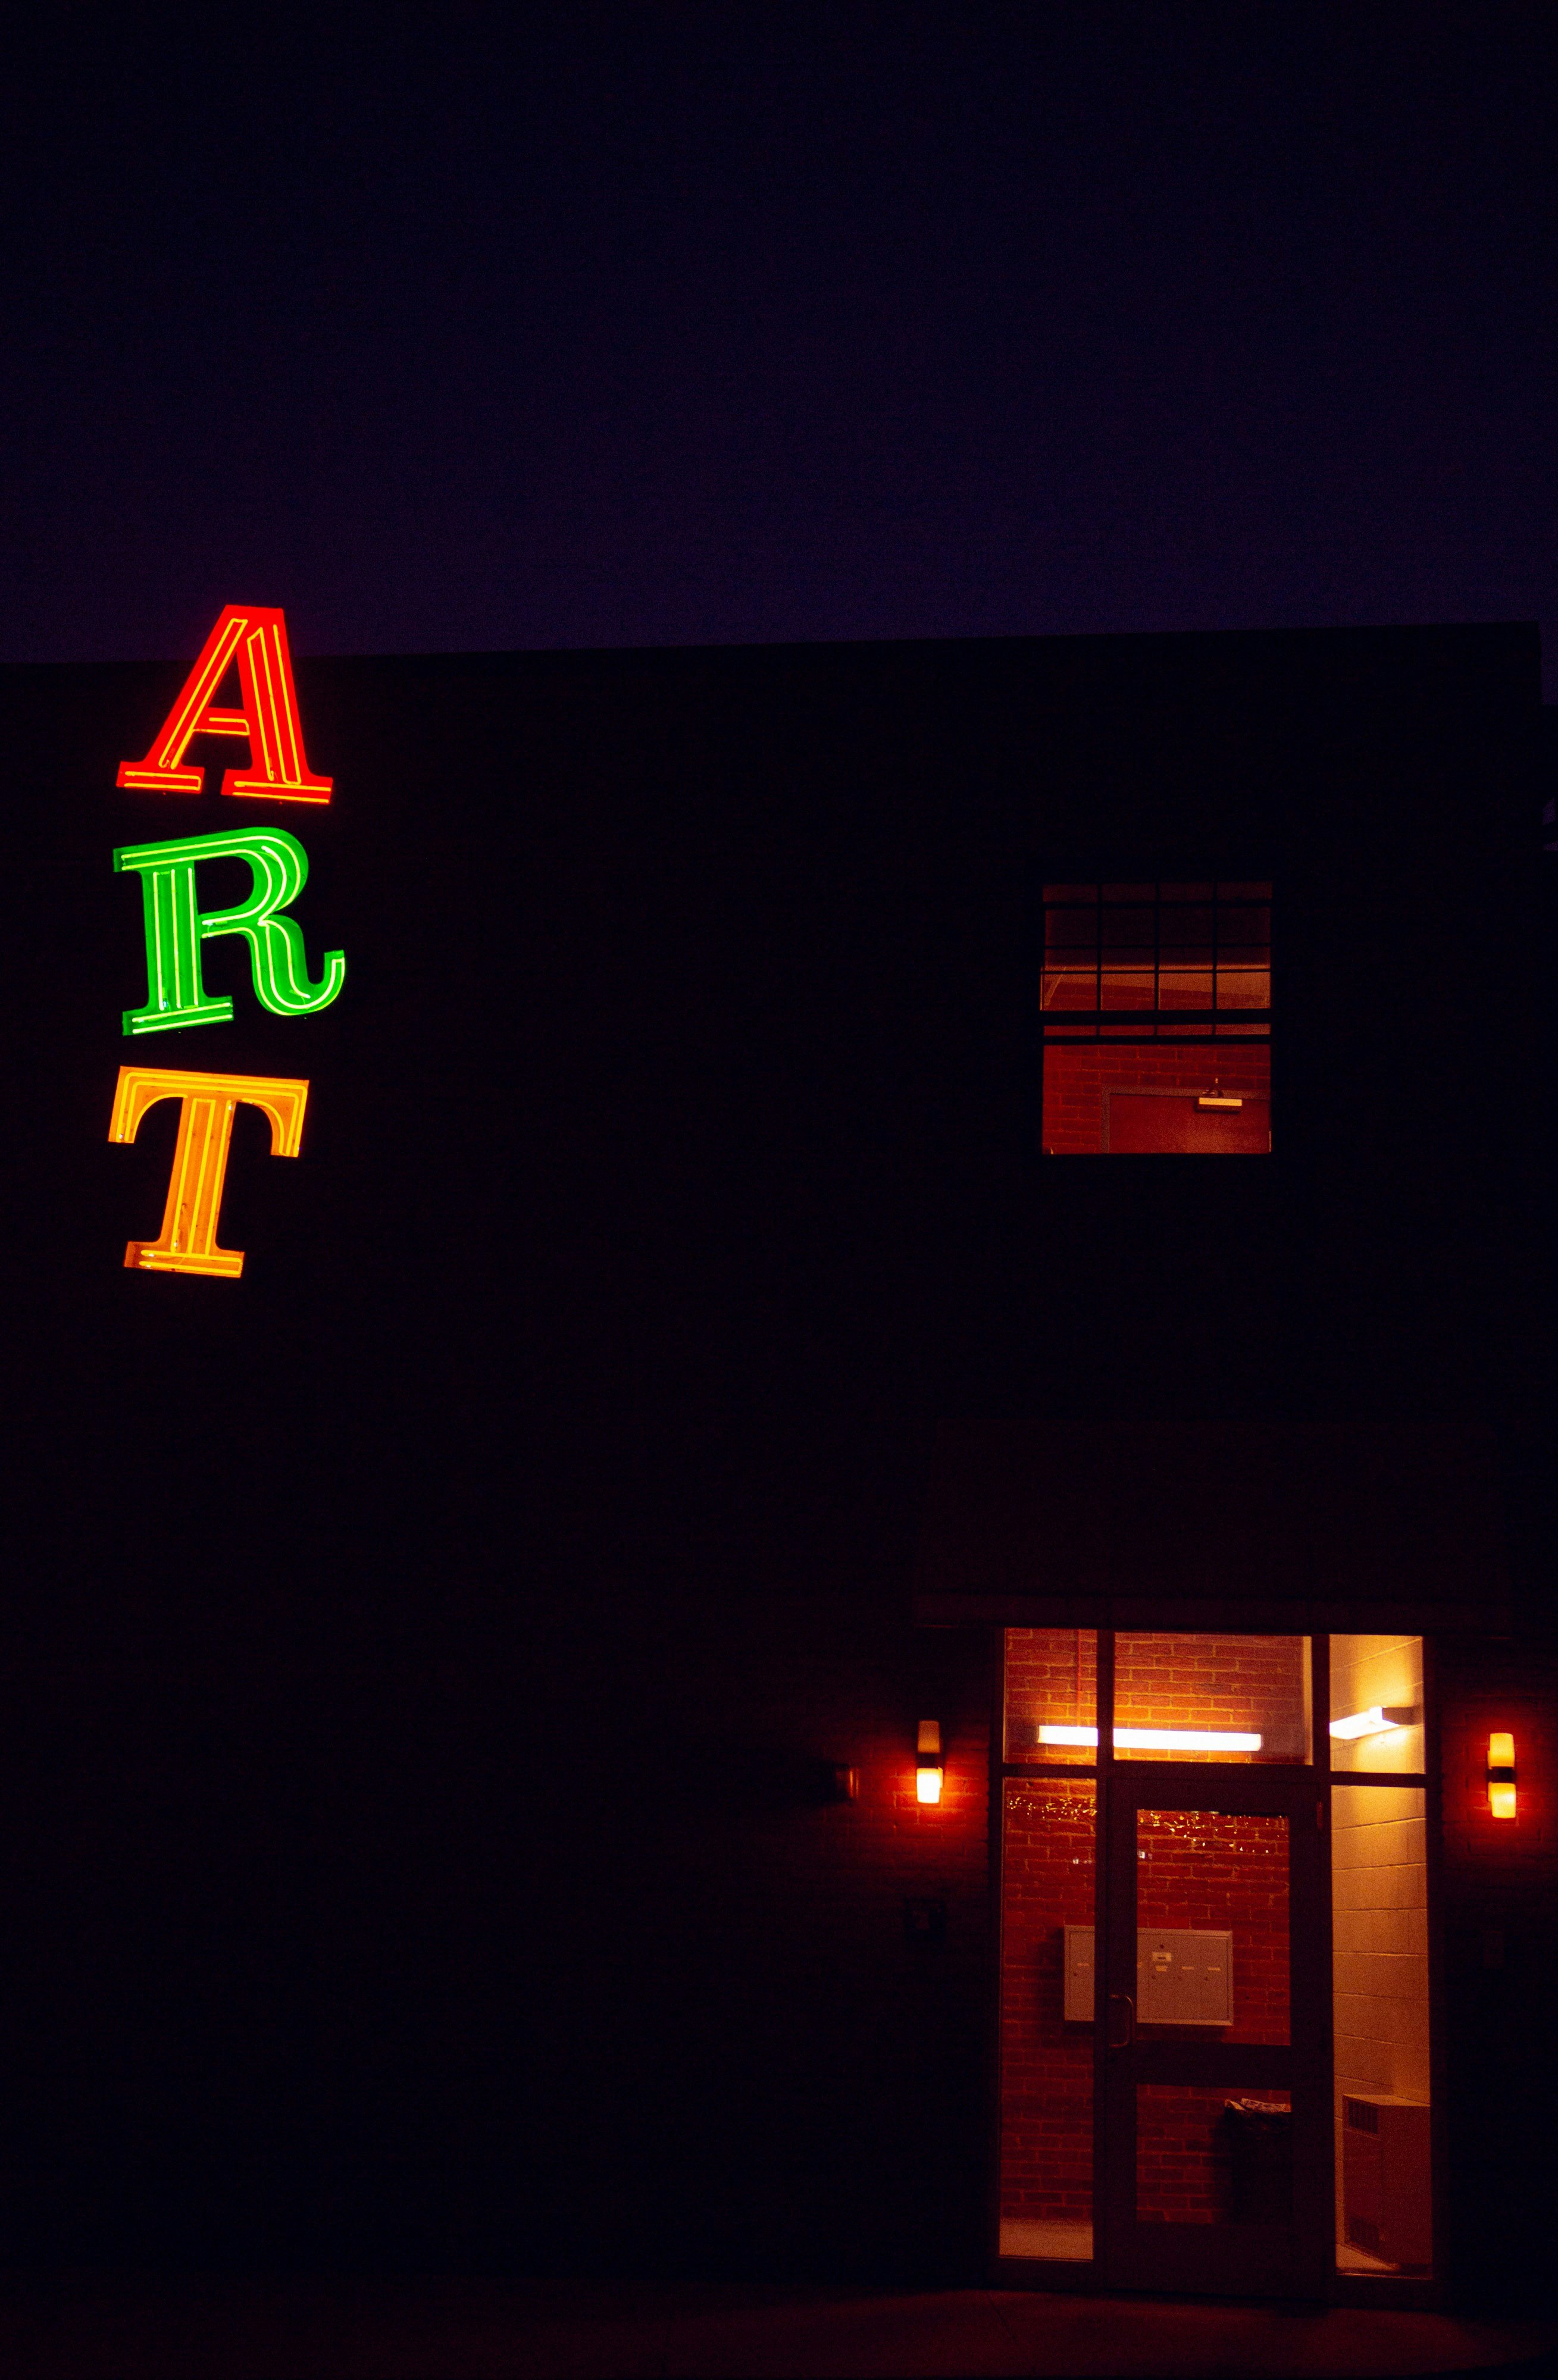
(927, 1774)
(1501, 1775)
(1158, 1739)
(1375, 1720)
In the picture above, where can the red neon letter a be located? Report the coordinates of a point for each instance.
(278, 769)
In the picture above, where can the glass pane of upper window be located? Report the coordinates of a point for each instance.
(1214, 1698)
(1052, 1694)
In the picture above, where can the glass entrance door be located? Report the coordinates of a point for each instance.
(1213, 2061)
(1165, 2013)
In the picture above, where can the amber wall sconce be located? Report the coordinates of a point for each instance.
(927, 1773)
(1501, 1775)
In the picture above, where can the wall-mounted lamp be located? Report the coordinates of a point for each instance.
(1375, 1720)
(1501, 1775)
(927, 1774)
(1158, 1739)
(1217, 1099)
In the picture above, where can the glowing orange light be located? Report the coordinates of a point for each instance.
(187, 1243)
(1158, 1739)
(1501, 1775)
(927, 1775)
(254, 636)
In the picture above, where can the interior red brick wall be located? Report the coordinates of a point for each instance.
(1206, 1872)
(1046, 2065)
(1184, 2159)
(1246, 1684)
(1051, 1674)
(1201, 1872)
(1075, 1077)
(1181, 2154)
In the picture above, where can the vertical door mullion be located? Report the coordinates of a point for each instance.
(996, 1809)
(1113, 2093)
(1314, 2174)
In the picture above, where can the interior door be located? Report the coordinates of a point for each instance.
(1214, 2090)
(1139, 1122)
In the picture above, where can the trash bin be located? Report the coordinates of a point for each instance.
(1259, 2160)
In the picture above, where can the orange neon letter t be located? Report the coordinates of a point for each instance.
(200, 1158)
(255, 638)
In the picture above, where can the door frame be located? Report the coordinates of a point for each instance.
(1278, 2260)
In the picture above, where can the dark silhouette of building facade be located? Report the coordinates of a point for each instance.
(466, 1673)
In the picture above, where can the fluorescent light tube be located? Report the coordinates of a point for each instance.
(1157, 1739)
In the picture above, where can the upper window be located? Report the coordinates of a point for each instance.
(1157, 1012)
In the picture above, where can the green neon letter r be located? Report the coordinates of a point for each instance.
(176, 927)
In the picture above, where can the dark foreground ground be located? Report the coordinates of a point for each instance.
(127, 2328)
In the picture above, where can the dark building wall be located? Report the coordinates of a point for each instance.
(1499, 1894)
(424, 1652)
(686, 1048)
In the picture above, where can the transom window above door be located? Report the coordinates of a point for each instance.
(1243, 1699)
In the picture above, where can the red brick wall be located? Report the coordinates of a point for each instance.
(1051, 1674)
(1208, 1873)
(1216, 1873)
(1247, 1684)
(1183, 2157)
(1046, 2065)
(1075, 1078)
(1202, 1872)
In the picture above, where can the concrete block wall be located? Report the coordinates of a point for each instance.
(1386, 1671)
(1379, 1919)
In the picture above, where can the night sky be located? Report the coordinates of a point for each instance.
(454, 329)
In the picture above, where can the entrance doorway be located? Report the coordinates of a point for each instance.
(1172, 2021)
(1214, 2071)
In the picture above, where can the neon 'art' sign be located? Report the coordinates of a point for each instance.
(252, 639)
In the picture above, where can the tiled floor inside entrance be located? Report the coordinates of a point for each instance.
(1070, 2244)
(1061, 2242)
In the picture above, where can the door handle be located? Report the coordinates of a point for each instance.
(1122, 1999)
